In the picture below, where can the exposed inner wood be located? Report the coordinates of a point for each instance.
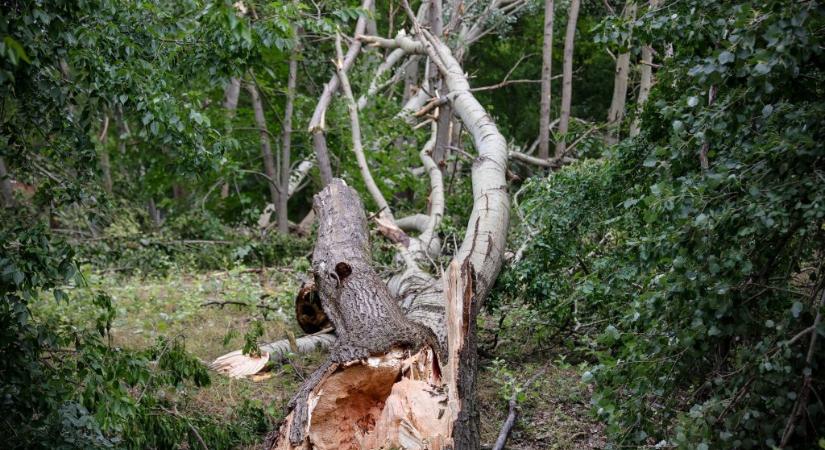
(396, 400)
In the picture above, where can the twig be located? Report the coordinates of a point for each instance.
(804, 391)
(232, 302)
(189, 424)
(511, 417)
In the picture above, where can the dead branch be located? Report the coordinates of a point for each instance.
(513, 414)
(316, 124)
(223, 303)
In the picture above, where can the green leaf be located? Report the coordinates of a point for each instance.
(726, 57)
(19, 52)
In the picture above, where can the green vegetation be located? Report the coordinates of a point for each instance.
(668, 287)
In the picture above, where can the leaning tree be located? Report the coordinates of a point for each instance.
(402, 361)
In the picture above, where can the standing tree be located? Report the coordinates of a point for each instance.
(567, 80)
(546, 77)
(266, 145)
(617, 104)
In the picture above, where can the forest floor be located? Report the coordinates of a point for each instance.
(554, 409)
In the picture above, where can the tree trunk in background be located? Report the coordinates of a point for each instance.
(645, 82)
(230, 103)
(567, 77)
(546, 74)
(266, 146)
(105, 164)
(286, 144)
(617, 105)
(5, 185)
(154, 213)
(230, 96)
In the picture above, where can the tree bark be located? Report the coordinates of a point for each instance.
(403, 377)
(5, 185)
(230, 96)
(546, 74)
(316, 124)
(286, 144)
(266, 146)
(617, 104)
(567, 80)
(384, 210)
(645, 82)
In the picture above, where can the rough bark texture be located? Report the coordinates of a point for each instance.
(567, 80)
(266, 145)
(316, 124)
(546, 74)
(367, 319)
(402, 372)
(617, 104)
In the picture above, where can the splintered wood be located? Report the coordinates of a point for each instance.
(396, 400)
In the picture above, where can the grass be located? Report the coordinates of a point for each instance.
(554, 410)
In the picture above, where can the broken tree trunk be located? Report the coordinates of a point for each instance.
(396, 377)
(338, 401)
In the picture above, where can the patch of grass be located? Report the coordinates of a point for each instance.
(174, 306)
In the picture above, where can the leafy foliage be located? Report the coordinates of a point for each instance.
(690, 287)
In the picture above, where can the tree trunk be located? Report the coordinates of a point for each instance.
(154, 213)
(5, 185)
(395, 377)
(567, 77)
(286, 145)
(266, 146)
(546, 74)
(617, 105)
(316, 124)
(230, 96)
(645, 81)
(105, 164)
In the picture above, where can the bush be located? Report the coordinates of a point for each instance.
(695, 290)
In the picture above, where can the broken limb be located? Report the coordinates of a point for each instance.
(392, 379)
(316, 124)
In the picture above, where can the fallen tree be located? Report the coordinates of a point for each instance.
(402, 361)
(402, 376)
